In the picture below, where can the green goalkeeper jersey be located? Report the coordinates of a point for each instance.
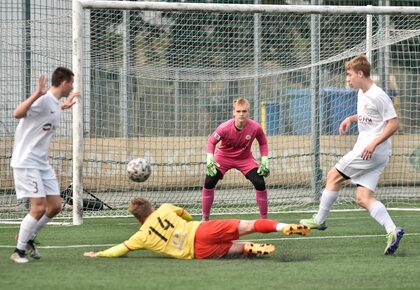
(169, 230)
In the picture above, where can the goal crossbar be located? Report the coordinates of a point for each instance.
(250, 8)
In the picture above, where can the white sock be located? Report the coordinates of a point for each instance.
(39, 225)
(381, 215)
(25, 232)
(280, 226)
(327, 200)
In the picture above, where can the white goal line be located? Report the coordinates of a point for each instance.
(247, 240)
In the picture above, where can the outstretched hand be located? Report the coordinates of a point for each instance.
(41, 88)
(70, 101)
(90, 254)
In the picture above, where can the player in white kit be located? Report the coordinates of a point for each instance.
(377, 122)
(34, 177)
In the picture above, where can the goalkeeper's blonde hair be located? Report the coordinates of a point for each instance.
(240, 101)
(140, 207)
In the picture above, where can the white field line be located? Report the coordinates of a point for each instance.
(16, 224)
(251, 240)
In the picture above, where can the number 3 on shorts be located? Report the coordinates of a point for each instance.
(35, 186)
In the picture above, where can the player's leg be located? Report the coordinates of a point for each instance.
(246, 227)
(377, 210)
(366, 199)
(207, 194)
(27, 227)
(261, 191)
(214, 239)
(38, 209)
(330, 194)
(52, 208)
(28, 184)
(334, 180)
(348, 167)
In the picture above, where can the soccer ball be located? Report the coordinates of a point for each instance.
(139, 170)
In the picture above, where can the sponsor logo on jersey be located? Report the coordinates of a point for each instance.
(48, 127)
(363, 119)
(237, 147)
(217, 136)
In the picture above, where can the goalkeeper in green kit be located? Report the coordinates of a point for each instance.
(236, 136)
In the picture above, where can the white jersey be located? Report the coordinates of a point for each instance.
(374, 108)
(34, 132)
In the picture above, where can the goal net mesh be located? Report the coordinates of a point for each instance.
(156, 84)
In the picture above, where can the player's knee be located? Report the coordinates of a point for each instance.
(211, 181)
(210, 184)
(334, 179)
(37, 210)
(332, 174)
(246, 227)
(54, 210)
(256, 179)
(258, 183)
(362, 202)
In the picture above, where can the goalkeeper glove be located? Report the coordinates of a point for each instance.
(211, 165)
(263, 169)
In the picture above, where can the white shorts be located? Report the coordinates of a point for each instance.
(32, 182)
(363, 172)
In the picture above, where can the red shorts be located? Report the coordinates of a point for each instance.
(213, 239)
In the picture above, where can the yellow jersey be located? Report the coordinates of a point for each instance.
(169, 230)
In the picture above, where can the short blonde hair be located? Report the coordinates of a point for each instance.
(140, 207)
(359, 63)
(240, 101)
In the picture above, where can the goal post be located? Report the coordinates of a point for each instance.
(77, 36)
(157, 78)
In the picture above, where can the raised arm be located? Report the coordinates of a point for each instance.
(22, 108)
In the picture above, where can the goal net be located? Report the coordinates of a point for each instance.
(157, 81)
